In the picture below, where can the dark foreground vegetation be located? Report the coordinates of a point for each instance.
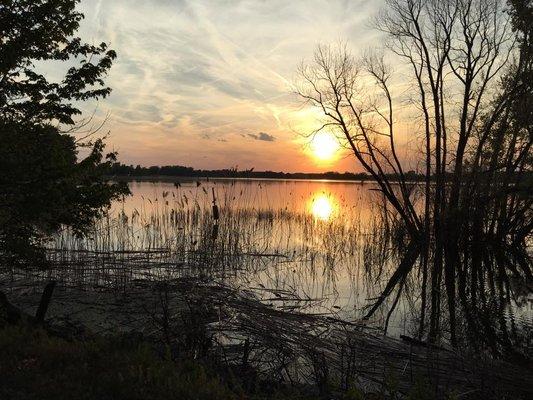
(49, 362)
(36, 365)
(181, 361)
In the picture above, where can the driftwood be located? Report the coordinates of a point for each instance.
(296, 346)
(45, 301)
(12, 315)
(9, 314)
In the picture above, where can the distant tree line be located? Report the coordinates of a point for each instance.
(130, 172)
(122, 170)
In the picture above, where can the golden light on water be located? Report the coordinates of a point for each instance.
(322, 206)
(324, 146)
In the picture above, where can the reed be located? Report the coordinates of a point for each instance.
(253, 243)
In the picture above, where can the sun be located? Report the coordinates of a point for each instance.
(324, 146)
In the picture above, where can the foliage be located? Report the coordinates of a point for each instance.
(43, 190)
(35, 365)
(36, 31)
(44, 181)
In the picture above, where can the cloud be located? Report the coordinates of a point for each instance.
(191, 69)
(265, 137)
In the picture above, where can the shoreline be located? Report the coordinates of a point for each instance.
(223, 322)
(175, 179)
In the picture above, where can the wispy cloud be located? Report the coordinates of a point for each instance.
(188, 70)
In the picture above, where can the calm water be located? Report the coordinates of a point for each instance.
(315, 239)
(322, 231)
(313, 245)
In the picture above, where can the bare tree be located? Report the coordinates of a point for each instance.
(459, 52)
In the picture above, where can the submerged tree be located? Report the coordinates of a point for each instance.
(470, 70)
(45, 183)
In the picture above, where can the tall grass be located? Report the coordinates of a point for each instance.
(257, 242)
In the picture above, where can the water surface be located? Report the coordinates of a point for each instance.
(308, 244)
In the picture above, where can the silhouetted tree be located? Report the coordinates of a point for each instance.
(471, 83)
(44, 182)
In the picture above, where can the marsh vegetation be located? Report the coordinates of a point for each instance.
(279, 281)
(416, 281)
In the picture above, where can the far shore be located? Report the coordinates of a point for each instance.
(176, 179)
(524, 186)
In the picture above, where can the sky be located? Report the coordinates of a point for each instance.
(209, 83)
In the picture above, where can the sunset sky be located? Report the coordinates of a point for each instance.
(208, 83)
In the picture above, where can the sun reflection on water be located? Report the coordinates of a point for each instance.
(322, 206)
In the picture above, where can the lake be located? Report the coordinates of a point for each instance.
(315, 246)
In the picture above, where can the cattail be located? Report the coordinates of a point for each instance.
(215, 207)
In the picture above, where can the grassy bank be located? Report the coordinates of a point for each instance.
(35, 365)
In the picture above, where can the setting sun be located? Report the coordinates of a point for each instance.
(324, 146)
